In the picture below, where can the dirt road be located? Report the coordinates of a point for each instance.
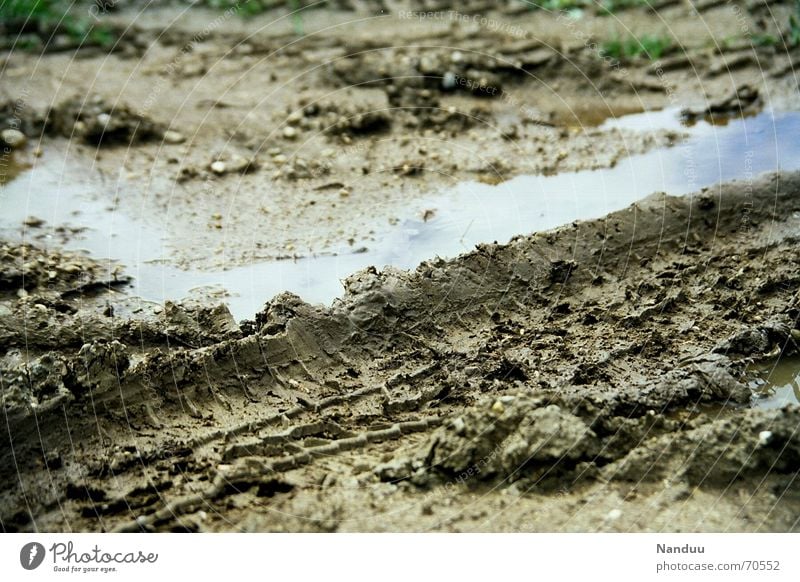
(595, 377)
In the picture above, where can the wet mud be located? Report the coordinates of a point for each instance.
(632, 370)
(609, 355)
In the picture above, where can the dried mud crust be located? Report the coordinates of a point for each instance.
(588, 378)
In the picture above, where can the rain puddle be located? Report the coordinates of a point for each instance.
(778, 383)
(475, 212)
(457, 218)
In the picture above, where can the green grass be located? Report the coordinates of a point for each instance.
(790, 36)
(44, 17)
(34, 11)
(765, 40)
(648, 46)
(794, 26)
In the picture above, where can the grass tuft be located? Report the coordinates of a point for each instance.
(650, 46)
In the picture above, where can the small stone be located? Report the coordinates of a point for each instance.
(459, 426)
(294, 118)
(279, 159)
(173, 137)
(239, 163)
(274, 151)
(344, 192)
(14, 138)
(218, 167)
(104, 119)
(33, 222)
(449, 81)
(764, 437)
(498, 407)
(289, 132)
(614, 514)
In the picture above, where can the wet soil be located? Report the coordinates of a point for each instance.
(603, 375)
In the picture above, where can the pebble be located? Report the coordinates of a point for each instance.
(173, 137)
(238, 163)
(459, 426)
(218, 167)
(764, 437)
(614, 514)
(289, 132)
(103, 119)
(449, 81)
(13, 137)
(33, 222)
(498, 407)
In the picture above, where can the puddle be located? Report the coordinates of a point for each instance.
(474, 212)
(593, 114)
(462, 217)
(778, 384)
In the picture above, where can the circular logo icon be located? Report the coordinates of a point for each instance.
(31, 555)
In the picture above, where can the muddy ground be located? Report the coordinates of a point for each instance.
(594, 377)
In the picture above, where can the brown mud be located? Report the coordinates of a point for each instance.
(594, 377)
(548, 367)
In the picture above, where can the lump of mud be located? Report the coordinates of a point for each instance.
(51, 379)
(100, 123)
(355, 112)
(760, 339)
(705, 380)
(198, 323)
(32, 269)
(503, 439)
(99, 367)
(742, 99)
(442, 69)
(748, 445)
(34, 384)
